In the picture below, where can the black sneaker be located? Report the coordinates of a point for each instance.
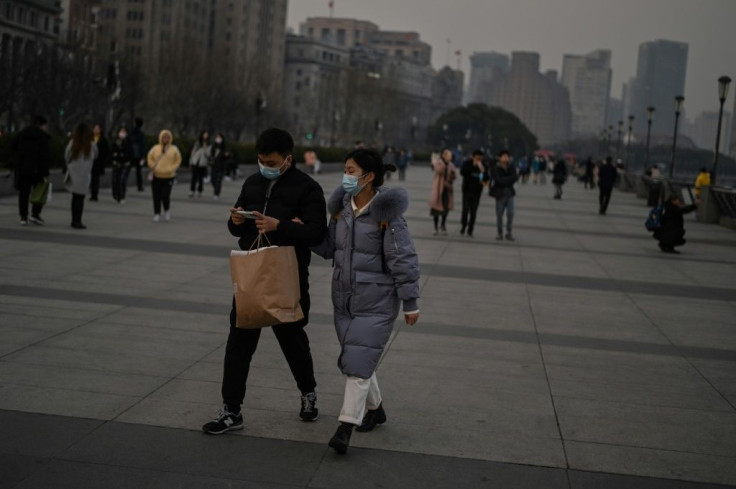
(510, 237)
(309, 411)
(36, 220)
(371, 419)
(224, 422)
(340, 441)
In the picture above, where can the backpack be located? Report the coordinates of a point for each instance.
(654, 220)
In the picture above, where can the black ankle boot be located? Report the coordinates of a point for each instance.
(341, 439)
(372, 419)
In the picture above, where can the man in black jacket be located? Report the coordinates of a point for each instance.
(504, 178)
(474, 175)
(32, 151)
(290, 208)
(606, 180)
(138, 140)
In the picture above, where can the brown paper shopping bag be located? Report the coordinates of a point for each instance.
(266, 286)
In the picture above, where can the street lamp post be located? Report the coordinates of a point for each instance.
(678, 106)
(628, 141)
(610, 135)
(618, 142)
(650, 117)
(723, 84)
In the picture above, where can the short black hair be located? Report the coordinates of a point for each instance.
(370, 161)
(704, 170)
(138, 122)
(503, 152)
(39, 120)
(275, 140)
(478, 152)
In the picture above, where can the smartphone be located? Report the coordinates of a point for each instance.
(247, 214)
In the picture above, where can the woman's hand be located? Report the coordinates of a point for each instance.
(411, 319)
(237, 219)
(265, 224)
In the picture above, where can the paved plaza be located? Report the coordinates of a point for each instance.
(578, 356)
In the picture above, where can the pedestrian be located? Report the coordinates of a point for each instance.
(221, 158)
(703, 180)
(559, 176)
(278, 194)
(402, 163)
(474, 176)
(32, 154)
(376, 270)
(606, 180)
(79, 155)
(198, 162)
(441, 198)
(123, 160)
(389, 158)
(138, 140)
(104, 157)
(588, 178)
(504, 178)
(524, 170)
(671, 232)
(312, 161)
(536, 169)
(163, 160)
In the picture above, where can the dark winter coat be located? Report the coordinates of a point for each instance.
(607, 176)
(122, 152)
(138, 145)
(104, 156)
(503, 181)
(294, 194)
(472, 179)
(32, 152)
(367, 284)
(559, 173)
(672, 229)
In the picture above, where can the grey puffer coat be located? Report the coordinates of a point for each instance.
(366, 289)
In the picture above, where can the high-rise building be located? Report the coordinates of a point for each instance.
(660, 77)
(78, 26)
(538, 100)
(23, 25)
(484, 68)
(732, 146)
(346, 33)
(704, 128)
(588, 79)
(447, 91)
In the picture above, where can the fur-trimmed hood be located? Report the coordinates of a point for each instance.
(387, 205)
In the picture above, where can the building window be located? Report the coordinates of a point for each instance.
(341, 37)
(310, 32)
(357, 37)
(296, 101)
(325, 34)
(399, 53)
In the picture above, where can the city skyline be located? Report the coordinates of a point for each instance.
(534, 25)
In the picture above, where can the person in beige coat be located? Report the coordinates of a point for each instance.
(441, 199)
(163, 160)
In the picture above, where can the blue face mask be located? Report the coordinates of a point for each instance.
(270, 173)
(350, 184)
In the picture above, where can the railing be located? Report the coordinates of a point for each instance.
(726, 200)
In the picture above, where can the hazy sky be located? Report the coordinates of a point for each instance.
(557, 27)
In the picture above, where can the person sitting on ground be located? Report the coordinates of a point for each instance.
(671, 232)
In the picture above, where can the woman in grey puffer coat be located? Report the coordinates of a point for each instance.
(376, 268)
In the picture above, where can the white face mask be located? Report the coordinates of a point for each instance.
(218, 140)
(122, 135)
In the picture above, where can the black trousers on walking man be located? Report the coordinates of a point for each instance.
(604, 197)
(471, 200)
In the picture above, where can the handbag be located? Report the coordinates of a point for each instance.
(265, 285)
(40, 193)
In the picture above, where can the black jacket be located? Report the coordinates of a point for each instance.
(104, 156)
(560, 173)
(472, 177)
(606, 176)
(294, 194)
(503, 181)
(138, 144)
(32, 152)
(122, 152)
(672, 229)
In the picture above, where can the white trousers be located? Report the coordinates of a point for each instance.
(360, 394)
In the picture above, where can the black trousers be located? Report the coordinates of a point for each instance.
(138, 175)
(198, 174)
(471, 199)
(77, 208)
(120, 181)
(25, 185)
(218, 173)
(604, 197)
(94, 184)
(161, 188)
(242, 344)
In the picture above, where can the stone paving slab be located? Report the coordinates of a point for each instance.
(577, 356)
